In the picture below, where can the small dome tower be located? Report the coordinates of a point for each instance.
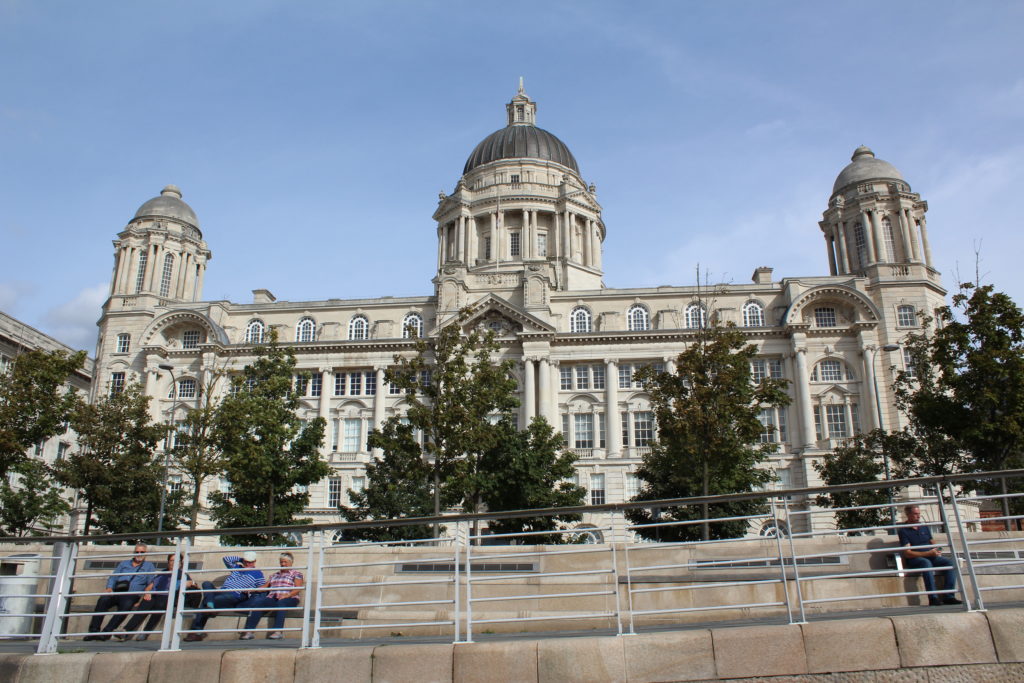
(874, 220)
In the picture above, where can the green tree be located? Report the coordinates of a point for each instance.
(35, 402)
(858, 460)
(115, 467)
(397, 485)
(965, 392)
(34, 502)
(454, 388)
(270, 455)
(708, 433)
(197, 454)
(530, 469)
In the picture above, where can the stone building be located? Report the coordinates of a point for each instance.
(16, 338)
(520, 241)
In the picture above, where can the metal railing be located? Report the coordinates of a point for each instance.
(468, 582)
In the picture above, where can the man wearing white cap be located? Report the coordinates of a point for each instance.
(235, 592)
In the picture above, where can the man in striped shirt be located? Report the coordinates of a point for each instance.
(235, 592)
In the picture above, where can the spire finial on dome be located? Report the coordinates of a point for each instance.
(172, 190)
(862, 151)
(522, 90)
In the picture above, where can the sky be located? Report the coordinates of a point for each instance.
(312, 138)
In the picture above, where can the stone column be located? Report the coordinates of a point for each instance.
(908, 219)
(440, 245)
(197, 293)
(844, 257)
(567, 234)
(529, 392)
(830, 242)
(529, 227)
(326, 385)
(544, 392)
(908, 250)
(611, 408)
(378, 404)
(587, 244)
(848, 408)
(876, 235)
(826, 434)
(803, 393)
(151, 257)
(869, 237)
(494, 237)
(924, 240)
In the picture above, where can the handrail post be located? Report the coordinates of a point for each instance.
(315, 538)
(615, 577)
(58, 601)
(174, 642)
(469, 583)
(962, 532)
(629, 575)
(796, 567)
(317, 596)
(174, 596)
(952, 548)
(456, 611)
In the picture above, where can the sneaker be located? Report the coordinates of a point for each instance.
(246, 636)
(193, 637)
(276, 635)
(209, 604)
(122, 636)
(950, 600)
(142, 636)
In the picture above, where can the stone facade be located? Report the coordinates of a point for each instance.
(520, 243)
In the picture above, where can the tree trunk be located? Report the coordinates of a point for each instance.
(194, 516)
(88, 518)
(270, 507)
(437, 500)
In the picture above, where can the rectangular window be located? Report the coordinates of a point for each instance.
(62, 450)
(513, 244)
(116, 383)
(140, 275)
(598, 375)
(758, 370)
(340, 379)
(187, 388)
(174, 483)
(624, 422)
(817, 423)
(394, 389)
(782, 426)
(565, 375)
(584, 423)
(908, 364)
(855, 414)
(334, 435)
(565, 426)
(355, 383)
(371, 383)
(334, 492)
(5, 363)
(597, 489)
(906, 316)
(190, 339)
(165, 279)
(582, 377)
(426, 376)
(358, 484)
(352, 427)
(515, 176)
(542, 244)
(123, 343)
(825, 317)
(316, 384)
(831, 371)
(301, 384)
(835, 418)
(767, 419)
(487, 248)
(775, 368)
(632, 485)
(643, 428)
(601, 430)
(39, 448)
(625, 376)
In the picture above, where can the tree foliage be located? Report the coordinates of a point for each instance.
(197, 454)
(33, 501)
(397, 485)
(35, 402)
(454, 386)
(858, 460)
(115, 467)
(708, 434)
(529, 469)
(270, 455)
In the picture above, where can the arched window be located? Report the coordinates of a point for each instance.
(831, 370)
(580, 320)
(696, 316)
(890, 240)
(186, 389)
(165, 279)
(304, 330)
(254, 332)
(638, 319)
(412, 326)
(753, 314)
(359, 327)
(861, 245)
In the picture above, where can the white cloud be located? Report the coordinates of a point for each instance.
(12, 294)
(74, 322)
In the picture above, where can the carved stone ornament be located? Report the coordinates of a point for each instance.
(449, 271)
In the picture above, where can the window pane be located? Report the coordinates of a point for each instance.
(565, 374)
(643, 428)
(625, 376)
(835, 417)
(597, 489)
(352, 427)
(584, 423)
(825, 317)
(582, 377)
(597, 372)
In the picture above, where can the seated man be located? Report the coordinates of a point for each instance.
(285, 586)
(155, 598)
(235, 592)
(919, 552)
(129, 579)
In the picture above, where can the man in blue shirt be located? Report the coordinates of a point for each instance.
(235, 592)
(123, 588)
(155, 599)
(919, 552)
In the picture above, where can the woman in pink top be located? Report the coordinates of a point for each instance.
(284, 588)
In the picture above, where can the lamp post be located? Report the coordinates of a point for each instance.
(881, 423)
(167, 449)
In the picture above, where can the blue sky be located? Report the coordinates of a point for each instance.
(312, 138)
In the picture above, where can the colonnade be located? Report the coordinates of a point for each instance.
(148, 260)
(844, 256)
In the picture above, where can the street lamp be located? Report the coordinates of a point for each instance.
(167, 450)
(881, 423)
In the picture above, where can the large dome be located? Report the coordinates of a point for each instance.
(864, 166)
(169, 205)
(521, 142)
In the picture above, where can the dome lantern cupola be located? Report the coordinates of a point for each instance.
(522, 111)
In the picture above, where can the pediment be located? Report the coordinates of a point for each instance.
(495, 313)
